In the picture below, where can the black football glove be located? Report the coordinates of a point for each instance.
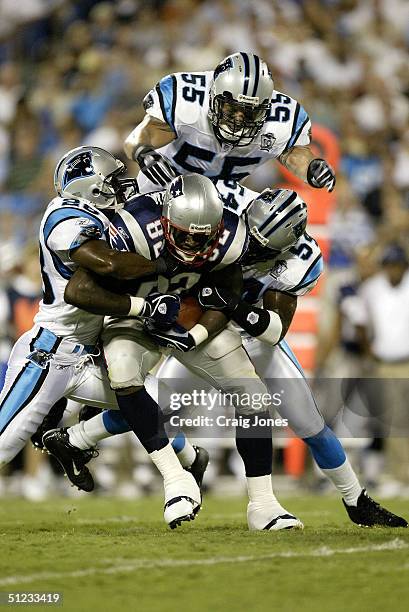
(161, 309)
(217, 298)
(177, 337)
(320, 174)
(168, 266)
(154, 166)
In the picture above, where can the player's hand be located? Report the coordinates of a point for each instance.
(217, 298)
(177, 337)
(320, 174)
(168, 266)
(161, 309)
(154, 166)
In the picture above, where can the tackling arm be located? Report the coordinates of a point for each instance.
(150, 132)
(314, 171)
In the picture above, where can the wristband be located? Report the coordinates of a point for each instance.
(199, 333)
(273, 332)
(137, 304)
(140, 149)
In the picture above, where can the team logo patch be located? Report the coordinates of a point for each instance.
(162, 308)
(267, 142)
(91, 232)
(148, 101)
(253, 318)
(80, 167)
(279, 267)
(206, 291)
(176, 187)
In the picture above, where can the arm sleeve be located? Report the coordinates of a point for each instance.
(160, 102)
(300, 129)
(69, 234)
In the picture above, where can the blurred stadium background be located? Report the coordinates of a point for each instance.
(75, 71)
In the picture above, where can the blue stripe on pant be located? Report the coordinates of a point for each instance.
(23, 390)
(29, 381)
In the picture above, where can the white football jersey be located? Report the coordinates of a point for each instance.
(295, 271)
(182, 101)
(66, 224)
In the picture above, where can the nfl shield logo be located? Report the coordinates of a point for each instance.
(267, 142)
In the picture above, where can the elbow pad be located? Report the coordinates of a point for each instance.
(258, 322)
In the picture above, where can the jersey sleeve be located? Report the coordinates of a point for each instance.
(160, 102)
(298, 271)
(300, 134)
(67, 229)
(138, 229)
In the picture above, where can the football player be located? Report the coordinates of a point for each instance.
(190, 222)
(223, 123)
(282, 263)
(48, 362)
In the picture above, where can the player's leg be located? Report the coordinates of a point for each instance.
(225, 365)
(33, 384)
(281, 371)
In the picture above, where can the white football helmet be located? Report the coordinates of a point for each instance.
(92, 173)
(276, 219)
(240, 98)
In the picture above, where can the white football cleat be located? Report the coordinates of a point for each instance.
(270, 517)
(182, 500)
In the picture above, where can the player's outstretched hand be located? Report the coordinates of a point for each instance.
(161, 309)
(320, 174)
(154, 166)
(177, 337)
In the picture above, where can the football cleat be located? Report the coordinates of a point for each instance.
(368, 513)
(71, 458)
(50, 421)
(272, 517)
(181, 501)
(199, 465)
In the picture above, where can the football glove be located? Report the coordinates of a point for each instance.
(177, 337)
(161, 309)
(154, 166)
(320, 174)
(217, 298)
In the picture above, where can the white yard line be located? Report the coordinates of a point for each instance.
(132, 565)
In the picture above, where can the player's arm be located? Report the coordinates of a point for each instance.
(98, 257)
(269, 323)
(228, 281)
(301, 161)
(150, 132)
(88, 292)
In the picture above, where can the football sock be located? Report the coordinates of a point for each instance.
(183, 449)
(168, 464)
(260, 489)
(86, 434)
(256, 451)
(346, 481)
(145, 419)
(330, 456)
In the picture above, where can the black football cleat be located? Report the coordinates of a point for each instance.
(51, 421)
(368, 513)
(71, 458)
(199, 465)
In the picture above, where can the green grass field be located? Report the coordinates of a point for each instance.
(108, 554)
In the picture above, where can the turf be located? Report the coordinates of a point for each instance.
(113, 555)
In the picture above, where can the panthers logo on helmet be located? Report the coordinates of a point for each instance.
(223, 66)
(80, 166)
